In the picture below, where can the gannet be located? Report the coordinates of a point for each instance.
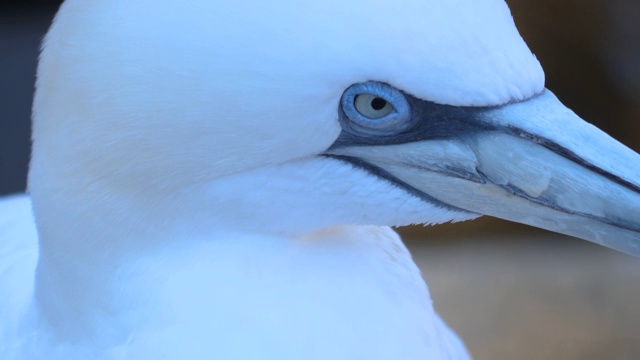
(215, 180)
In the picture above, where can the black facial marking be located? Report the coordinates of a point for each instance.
(433, 121)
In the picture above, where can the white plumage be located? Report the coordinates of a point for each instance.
(195, 193)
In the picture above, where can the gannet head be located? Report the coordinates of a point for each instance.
(300, 116)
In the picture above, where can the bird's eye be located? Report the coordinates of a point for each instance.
(372, 106)
(374, 109)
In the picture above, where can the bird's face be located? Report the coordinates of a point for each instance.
(160, 96)
(533, 161)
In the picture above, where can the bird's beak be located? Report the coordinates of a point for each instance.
(533, 162)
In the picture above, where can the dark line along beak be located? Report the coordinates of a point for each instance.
(533, 162)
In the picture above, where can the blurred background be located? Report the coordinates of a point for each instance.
(510, 291)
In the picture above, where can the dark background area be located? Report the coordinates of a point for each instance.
(543, 296)
(22, 26)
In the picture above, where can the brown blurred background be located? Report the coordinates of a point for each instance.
(510, 291)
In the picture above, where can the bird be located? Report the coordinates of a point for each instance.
(217, 180)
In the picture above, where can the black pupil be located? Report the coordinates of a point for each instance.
(378, 103)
